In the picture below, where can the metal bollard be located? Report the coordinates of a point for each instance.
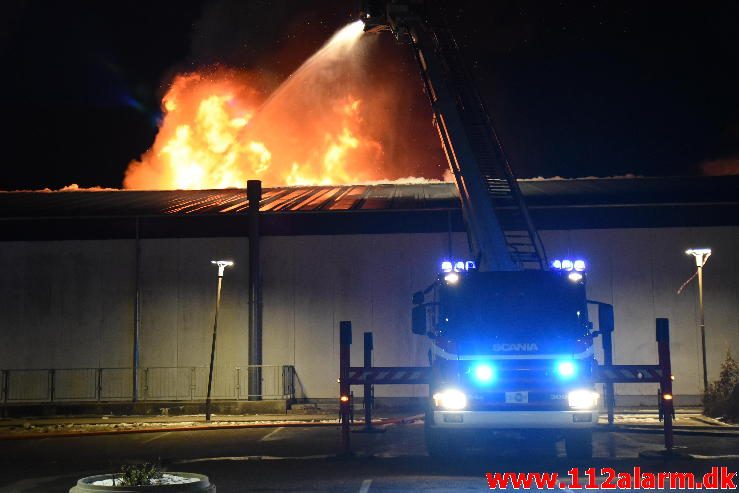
(369, 389)
(606, 327)
(345, 341)
(667, 405)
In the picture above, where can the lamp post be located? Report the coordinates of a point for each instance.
(222, 264)
(701, 257)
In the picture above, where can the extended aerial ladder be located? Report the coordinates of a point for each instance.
(485, 343)
(502, 234)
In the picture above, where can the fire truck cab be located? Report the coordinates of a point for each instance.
(511, 351)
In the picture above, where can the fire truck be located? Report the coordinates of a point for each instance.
(511, 343)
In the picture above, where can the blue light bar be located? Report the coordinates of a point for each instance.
(569, 265)
(458, 266)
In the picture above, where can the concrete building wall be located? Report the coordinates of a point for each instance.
(66, 304)
(69, 304)
(639, 271)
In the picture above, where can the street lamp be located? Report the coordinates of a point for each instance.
(222, 264)
(701, 257)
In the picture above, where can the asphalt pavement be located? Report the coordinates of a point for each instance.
(282, 458)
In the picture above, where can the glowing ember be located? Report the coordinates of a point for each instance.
(218, 131)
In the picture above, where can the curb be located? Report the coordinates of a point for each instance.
(682, 431)
(292, 424)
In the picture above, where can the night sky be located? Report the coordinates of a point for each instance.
(575, 88)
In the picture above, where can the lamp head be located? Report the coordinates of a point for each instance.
(222, 264)
(700, 254)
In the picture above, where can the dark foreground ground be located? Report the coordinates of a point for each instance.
(304, 459)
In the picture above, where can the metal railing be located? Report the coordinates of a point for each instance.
(156, 383)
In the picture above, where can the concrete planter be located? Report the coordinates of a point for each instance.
(203, 485)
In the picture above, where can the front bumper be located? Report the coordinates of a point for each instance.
(507, 420)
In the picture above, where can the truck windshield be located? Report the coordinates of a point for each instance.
(498, 305)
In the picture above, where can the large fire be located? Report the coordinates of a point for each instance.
(218, 131)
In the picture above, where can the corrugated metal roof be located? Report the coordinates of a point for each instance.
(385, 197)
(289, 199)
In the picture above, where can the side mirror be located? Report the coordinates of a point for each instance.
(418, 320)
(605, 318)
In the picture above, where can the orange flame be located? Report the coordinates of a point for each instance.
(218, 131)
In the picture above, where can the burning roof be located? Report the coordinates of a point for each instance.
(326, 124)
(668, 195)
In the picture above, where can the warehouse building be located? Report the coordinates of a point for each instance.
(74, 265)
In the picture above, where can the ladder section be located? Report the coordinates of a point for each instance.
(521, 237)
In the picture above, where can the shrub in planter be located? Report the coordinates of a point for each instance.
(138, 475)
(145, 477)
(721, 399)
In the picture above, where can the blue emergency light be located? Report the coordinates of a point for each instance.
(566, 369)
(458, 266)
(483, 373)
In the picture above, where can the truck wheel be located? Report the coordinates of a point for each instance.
(579, 444)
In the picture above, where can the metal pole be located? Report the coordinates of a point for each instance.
(606, 327)
(136, 316)
(222, 264)
(345, 341)
(99, 386)
(52, 384)
(213, 349)
(703, 325)
(663, 351)
(701, 256)
(609, 390)
(254, 196)
(368, 346)
(6, 383)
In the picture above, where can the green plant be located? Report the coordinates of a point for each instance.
(138, 475)
(722, 396)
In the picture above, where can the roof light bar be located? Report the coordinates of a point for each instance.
(569, 265)
(458, 266)
(574, 268)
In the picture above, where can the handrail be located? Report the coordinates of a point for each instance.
(169, 383)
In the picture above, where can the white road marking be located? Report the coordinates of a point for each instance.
(157, 437)
(270, 436)
(715, 457)
(251, 458)
(365, 486)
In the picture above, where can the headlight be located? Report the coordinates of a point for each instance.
(451, 278)
(451, 399)
(566, 369)
(582, 399)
